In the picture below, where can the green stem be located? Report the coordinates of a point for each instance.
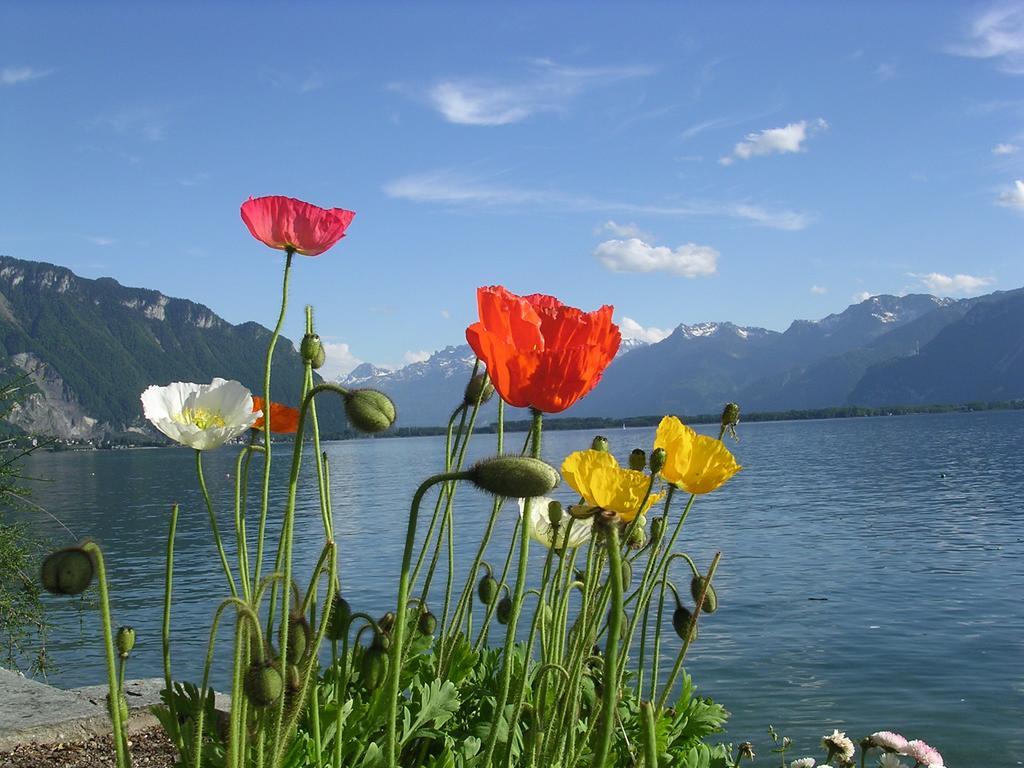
(610, 694)
(398, 639)
(265, 495)
(650, 739)
(165, 630)
(114, 694)
(213, 525)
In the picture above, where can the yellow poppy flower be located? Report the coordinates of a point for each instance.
(695, 463)
(597, 477)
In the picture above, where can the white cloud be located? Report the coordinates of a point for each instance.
(862, 296)
(953, 285)
(18, 75)
(1005, 149)
(339, 360)
(699, 128)
(622, 230)
(194, 180)
(818, 289)
(548, 88)
(998, 34)
(1013, 197)
(446, 314)
(634, 255)
(420, 356)
(771, 141)
(448, 188)
(886, 71)
(631, 329)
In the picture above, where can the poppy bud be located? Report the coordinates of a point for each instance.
(555, 512)
(263, 684)
(374, 668)
(68, 571)
(312, 350)
(341, 617)
(516, 477)
(299, 636)
(369, 410)
(657, 460)
(292, 681)
(125, 641)
(504, 611)
(730, 418)
(479, 390)
(487, 589)
(657, 528)
(681, 620)
(600, 444)
(637, 538)
(710, 597)
(386, 622)
(637, 460)
(427, 623)
(382, 642)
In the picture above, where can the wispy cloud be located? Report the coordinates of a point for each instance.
(1013, 197)
(631, 329)
(416, 356)
(146, 123)
(886, 70)
(862, 296)
(953, 285)
(998, 34)
(194, 180)
(446, 314)
(449, 188)
(788, 139)
(699, 128)
(622, 230)
(548, 87)
(819, 290)
(313, 80)
(635, 255)
(1005, 149)
(19, 75)
(100, 241)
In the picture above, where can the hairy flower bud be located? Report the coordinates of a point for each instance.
(658, 457)
(374, 667)
(369, 410)
(600, 444)
(504, 612)
(730, 419)
(637, 459)
(68, 571)
(555, 512)
(427, 623)
(341, 617)
(292, 679)
(657, 529)
(125, 641)
(681, 621)
(300, 634)
(386, 622)
(710, 597)
(479, 390)
(263, 684)
(637, 538)
(516, 477)
(311, 349)
(487, 589)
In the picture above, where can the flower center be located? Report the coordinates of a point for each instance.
(200, 417)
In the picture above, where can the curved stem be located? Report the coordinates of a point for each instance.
(213, 525)
(265, 494)
(611, 659)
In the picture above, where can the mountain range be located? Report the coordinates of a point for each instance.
(885, 351)
(91, 346)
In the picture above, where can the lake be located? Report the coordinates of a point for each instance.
(872, 571)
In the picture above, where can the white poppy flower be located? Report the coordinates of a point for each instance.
(803, 762)
(201, 416)
(541, 529)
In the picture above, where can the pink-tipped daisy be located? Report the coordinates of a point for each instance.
(923, 754)
(888, 740)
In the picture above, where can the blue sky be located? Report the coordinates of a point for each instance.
(753, 162)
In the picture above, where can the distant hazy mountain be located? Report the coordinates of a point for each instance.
(92, 346)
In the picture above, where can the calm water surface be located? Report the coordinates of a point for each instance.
(872, 571)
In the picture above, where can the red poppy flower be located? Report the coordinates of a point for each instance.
(284, 222)
(283, 420)
(540, 352)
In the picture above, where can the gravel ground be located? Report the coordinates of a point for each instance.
(149, 748)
